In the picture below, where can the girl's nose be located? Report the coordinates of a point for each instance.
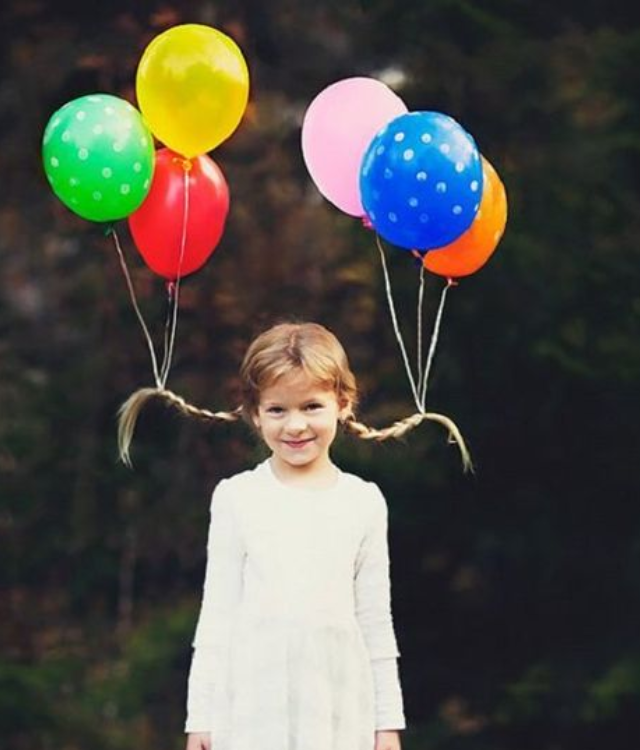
(296, 422)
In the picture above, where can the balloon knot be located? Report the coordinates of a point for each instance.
(186, 164)
(451, 282)
(366, 222)
(171, 289)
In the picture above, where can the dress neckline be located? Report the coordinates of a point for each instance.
(268, 469)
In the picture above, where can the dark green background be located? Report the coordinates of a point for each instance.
(516, 591)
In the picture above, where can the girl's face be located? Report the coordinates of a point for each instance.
(298, 418)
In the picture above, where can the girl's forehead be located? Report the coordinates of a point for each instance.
(296, 384)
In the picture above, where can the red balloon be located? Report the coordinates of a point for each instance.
(157, 226)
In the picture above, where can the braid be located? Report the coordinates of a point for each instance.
(130, 410)
(400, 428)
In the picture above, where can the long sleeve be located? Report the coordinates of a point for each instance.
(373, 611)
(222, 593)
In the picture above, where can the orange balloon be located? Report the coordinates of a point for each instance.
(475, 246)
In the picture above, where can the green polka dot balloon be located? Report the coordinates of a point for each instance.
(99, 157)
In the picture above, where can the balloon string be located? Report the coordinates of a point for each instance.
(420, 316)
(170, 289)
(167, 323)
(396, 327)
(132, 294)
(176, 291)
(434, 341)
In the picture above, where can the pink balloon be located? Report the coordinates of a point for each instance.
(338, 126)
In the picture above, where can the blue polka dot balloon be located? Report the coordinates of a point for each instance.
(421, 180)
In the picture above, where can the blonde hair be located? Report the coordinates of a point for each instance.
(292, 347)
(282, 349)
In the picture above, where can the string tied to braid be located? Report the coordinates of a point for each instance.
(130, 410)
(420, 382)
(398, 429)
(161, 371)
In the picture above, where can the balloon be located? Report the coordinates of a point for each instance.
(421, 180)
(337, 128)
(474, 248)
(98, 157)
(157, 226)
(192, 86)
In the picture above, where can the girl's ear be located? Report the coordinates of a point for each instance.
(256, 420)
(346, 409)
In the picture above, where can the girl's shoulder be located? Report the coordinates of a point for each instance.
(240, 482)
(367, 491)
(234, 493)
(356, 482)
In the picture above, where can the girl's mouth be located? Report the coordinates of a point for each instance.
(297, 444)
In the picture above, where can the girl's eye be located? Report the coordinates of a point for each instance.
(275, 410)
(314, 406)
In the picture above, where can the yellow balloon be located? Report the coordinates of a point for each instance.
(192, 86)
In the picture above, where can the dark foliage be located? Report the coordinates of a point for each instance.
(516, 590)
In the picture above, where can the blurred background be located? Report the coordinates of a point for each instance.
(517, 589)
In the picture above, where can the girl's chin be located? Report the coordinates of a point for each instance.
(297, 458)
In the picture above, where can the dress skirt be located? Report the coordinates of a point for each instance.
(288, 685)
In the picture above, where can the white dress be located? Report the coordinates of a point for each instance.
(295, 647)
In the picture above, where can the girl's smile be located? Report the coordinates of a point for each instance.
(297, 444)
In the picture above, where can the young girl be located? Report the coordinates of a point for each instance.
(294, 647)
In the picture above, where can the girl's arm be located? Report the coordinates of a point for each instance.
(221, 595)
(373, 611)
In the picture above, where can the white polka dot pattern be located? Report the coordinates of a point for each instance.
(425, 161)
(98, 156)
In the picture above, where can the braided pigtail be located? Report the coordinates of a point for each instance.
(400, 428)
(130, 410)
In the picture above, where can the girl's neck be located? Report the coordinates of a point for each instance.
(316, 477)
